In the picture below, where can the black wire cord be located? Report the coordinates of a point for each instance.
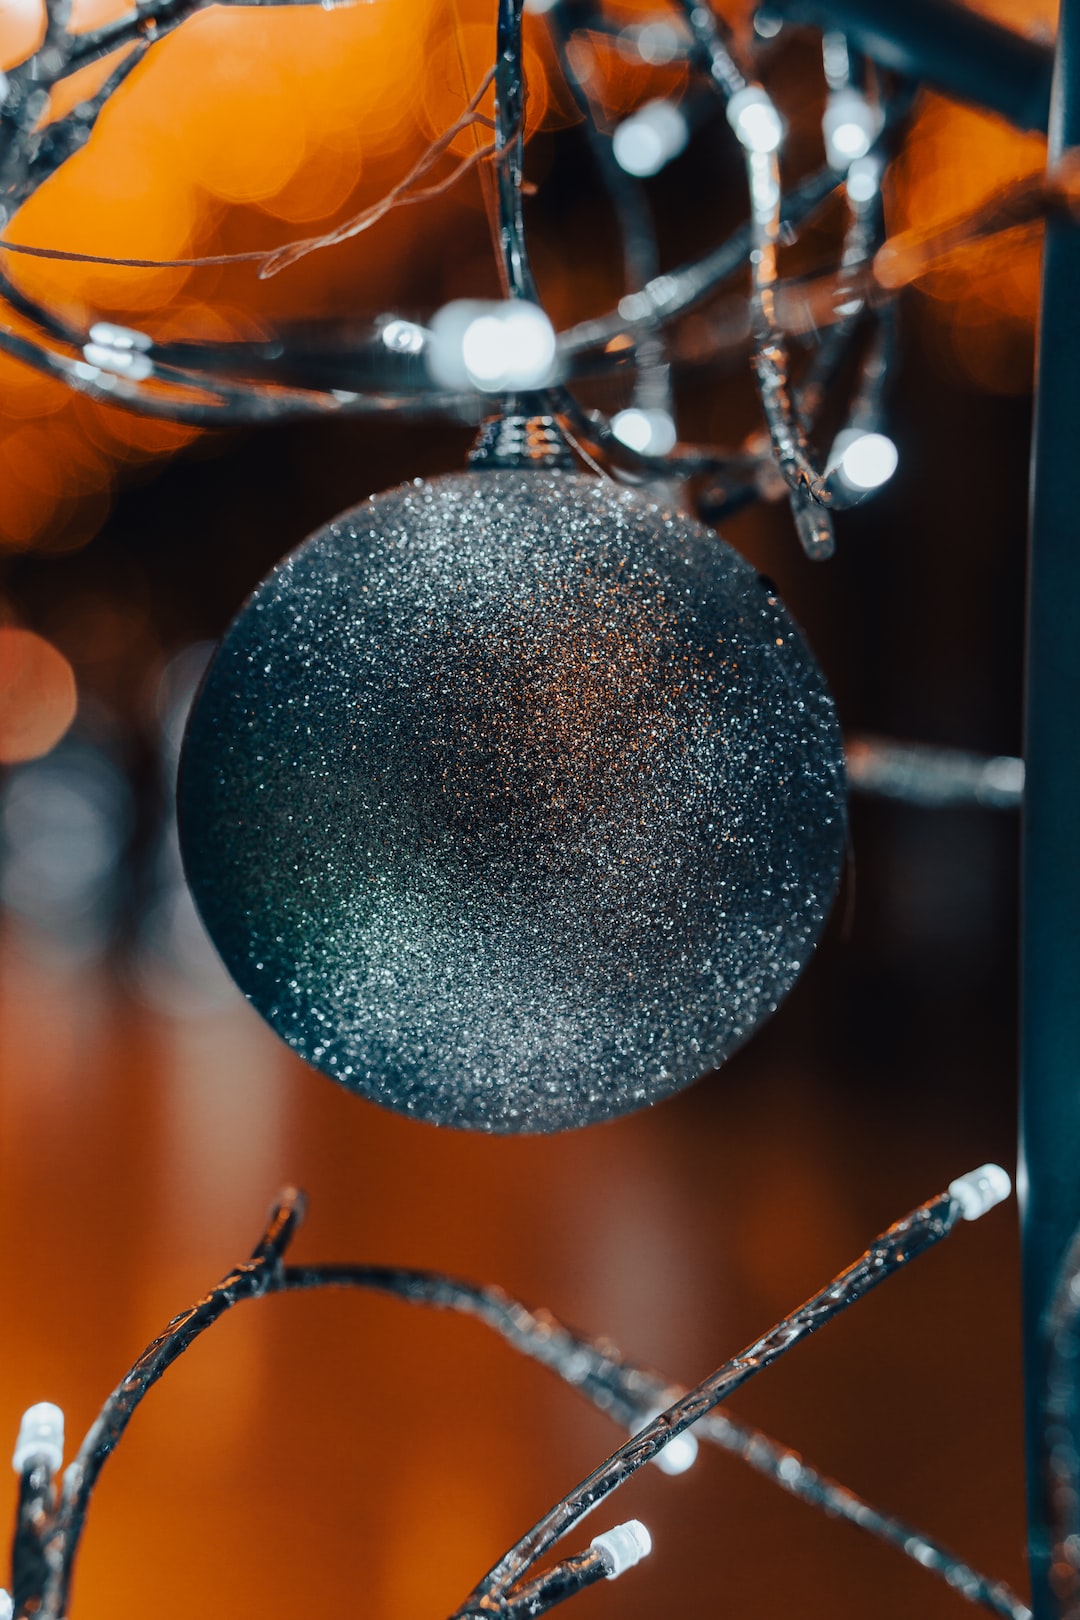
(50, 1524)
(346, 371)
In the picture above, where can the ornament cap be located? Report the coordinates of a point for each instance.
(519, 440)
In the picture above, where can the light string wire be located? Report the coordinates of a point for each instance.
(50, 1524)
(932, 777)
(903, 1242)
(783, 412)
(759, 131)
(590, 429)
(836, 334)
(208, 385)
(632, 211)
(519, 280)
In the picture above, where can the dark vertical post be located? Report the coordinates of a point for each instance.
(1049, 1179)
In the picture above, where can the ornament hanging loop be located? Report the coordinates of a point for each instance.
(519, 440)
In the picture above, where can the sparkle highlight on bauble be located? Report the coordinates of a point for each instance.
(513, 800)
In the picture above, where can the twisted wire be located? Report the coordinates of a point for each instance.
(49, 1533)
(908, 1238)
(209, 388)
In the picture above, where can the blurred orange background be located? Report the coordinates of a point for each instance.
(250, 127)
(342, 1452)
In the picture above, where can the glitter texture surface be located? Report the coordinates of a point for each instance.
(513, 800)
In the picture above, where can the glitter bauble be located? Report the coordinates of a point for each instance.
(513, 800)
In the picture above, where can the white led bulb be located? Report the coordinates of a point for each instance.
(650, 138)
(623, 1547)
(498, 348)
(864, 461)
(119, 349)
(864, 179)
(679, 1454)
(981, 1190)
(850, 125)
(650, 433)
(753, 116)
(403, 337)
(41, 1435)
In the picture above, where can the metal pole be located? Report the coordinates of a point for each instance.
(1049, 1175)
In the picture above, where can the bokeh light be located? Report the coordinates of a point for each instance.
(983, 301)
(243, 129)
(155, 1112)
(250, 126)
(22, 27)
(64, 823)
(37, 695)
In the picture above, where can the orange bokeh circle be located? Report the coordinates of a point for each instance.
(37, 695)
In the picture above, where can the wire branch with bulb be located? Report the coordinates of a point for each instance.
(462, 359)
(459, 366)
(664, 1420)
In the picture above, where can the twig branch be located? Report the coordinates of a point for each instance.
(210, 388)
(933, 777)
(48, 1537)
(403, 193)
(903, 1242)
(156, 18)
(633, 216)
(809, 493)
(260, 1275)
(515, 267)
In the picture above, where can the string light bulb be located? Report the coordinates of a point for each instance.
(648, 140)
(850, 125)
(864, 179)
(981, 1190)
(753, 116)
(119, 349)
(649, 432)
(403, 337)
(41, 1436)
(679, 1454)
(623, 1546)
(863, 461)
(656, 43)
(497, 348)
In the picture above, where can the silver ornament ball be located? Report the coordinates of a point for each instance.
(513, 800)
